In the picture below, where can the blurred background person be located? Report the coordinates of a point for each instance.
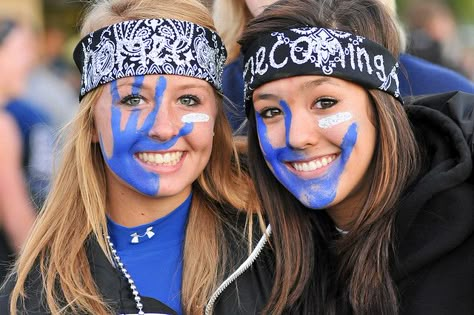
(433, 34)
(17, 213)
(52, 83)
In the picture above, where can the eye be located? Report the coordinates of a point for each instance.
(189, 100)
(270, 112)
(325, 102)
(132, 100)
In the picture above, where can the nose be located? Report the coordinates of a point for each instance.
(166, 125)
(303, 131)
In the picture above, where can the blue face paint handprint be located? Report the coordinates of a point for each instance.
(132, 140)
(315, 193)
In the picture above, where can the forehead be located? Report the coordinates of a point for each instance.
(172, 82)
(302, 84)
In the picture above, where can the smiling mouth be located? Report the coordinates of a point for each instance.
(166, 159)
(309, 166)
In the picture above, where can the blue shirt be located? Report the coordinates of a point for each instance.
(154, 260)
(420, 77)
(37, 148)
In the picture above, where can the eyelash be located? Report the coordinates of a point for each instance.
(125, 101)
(193, 98)
(273, 111)
(325, 99)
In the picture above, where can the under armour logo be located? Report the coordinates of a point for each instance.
(136, 237)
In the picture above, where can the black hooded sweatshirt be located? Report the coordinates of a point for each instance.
(435, 223)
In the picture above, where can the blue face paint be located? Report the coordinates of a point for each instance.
(131, 140)
(316, 193)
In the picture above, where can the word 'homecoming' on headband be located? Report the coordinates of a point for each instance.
(319, 51)
(149, 46)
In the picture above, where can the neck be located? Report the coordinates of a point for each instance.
(346, 212)
(129, 208)
(341, 217)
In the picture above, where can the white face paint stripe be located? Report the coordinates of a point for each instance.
(195, 117)
(333, 120)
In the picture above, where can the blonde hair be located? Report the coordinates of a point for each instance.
(76, 206)
(230, 18)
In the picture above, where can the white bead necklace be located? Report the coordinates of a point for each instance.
(120, 265)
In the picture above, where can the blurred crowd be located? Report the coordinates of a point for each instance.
(39, 95)
(434, 34)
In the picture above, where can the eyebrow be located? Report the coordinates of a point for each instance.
(305, 86)
(193, 85)
(132, 84)
(266, 96)
(319, 82)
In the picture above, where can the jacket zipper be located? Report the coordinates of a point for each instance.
(242, 268)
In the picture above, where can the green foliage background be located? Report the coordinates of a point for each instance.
(463, 9)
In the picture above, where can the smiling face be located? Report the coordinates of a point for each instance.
(318, 138)
(156, 132)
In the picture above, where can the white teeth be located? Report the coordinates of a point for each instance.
(324, 161)
(151, 158)
(313, 165)
(167, 159)
(159, 158)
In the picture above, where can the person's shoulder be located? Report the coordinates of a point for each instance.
(424, 77)
(25, 112)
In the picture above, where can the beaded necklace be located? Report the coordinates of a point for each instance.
(133, 287)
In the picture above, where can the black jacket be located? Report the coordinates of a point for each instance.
(252, 277)
(435, 269)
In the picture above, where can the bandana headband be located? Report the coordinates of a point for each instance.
(149, 46)
(319, 51)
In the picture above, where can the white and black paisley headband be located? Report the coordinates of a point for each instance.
(319, 51)
(150, 46)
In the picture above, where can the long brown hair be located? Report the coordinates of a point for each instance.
(317, 271)
(76, 206)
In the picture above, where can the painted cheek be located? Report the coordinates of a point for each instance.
(316, 193)
(334, 120)
(321, 192)
(122, 162)
(195, 117)
(277, 156)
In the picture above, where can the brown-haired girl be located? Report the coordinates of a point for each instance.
(368, 201)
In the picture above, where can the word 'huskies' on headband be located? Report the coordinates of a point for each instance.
(150, 46)
(319, 51)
